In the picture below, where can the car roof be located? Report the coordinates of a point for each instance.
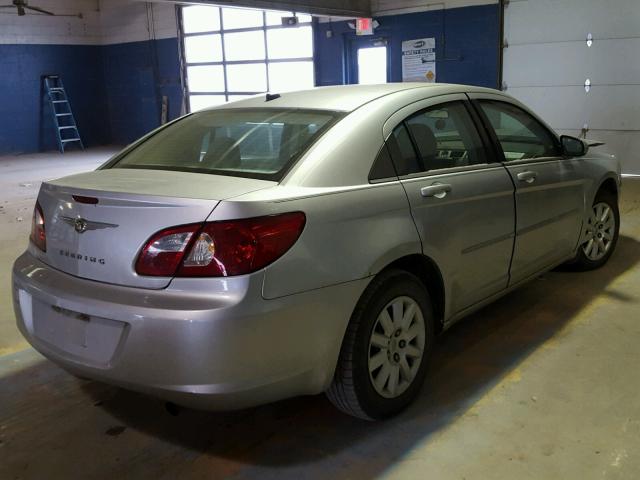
(346, 98)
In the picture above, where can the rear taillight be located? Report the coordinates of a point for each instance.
(38, 236)
(220, 249)
(163, 252)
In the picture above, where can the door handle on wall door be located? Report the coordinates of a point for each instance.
(527, 176)
(438, 190)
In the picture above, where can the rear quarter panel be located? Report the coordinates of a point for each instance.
(350, 233)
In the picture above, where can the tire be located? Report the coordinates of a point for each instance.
(364, 394)
(602, 236)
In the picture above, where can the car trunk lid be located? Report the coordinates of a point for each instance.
(97, 222)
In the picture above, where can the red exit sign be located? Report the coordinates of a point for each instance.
(364, 26)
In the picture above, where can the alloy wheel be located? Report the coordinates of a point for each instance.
(396, 347)
(600, 232)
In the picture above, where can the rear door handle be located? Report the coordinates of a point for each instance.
(527, 176)
(438, 190)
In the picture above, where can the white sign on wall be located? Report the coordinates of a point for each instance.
(419, 60)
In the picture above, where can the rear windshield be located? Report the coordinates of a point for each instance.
(260, 143)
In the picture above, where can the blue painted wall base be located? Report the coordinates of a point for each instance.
(115, 91)
(26, 123)
(137, 75)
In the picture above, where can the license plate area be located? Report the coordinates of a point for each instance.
(92, 339)
(74, 329)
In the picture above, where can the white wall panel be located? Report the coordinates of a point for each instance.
(552, 21)
(124, 21)
(44, 29)
(614, 107)
(601, 63)
(104, 22)
(547, 62)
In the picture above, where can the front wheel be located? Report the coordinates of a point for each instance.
(385, 350)
(601, 233)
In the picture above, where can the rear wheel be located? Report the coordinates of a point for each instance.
(601, 234)
(385, 350)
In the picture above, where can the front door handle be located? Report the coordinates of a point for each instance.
(438, 190)
(527, 176)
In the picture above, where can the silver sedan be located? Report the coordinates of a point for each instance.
(306, 242)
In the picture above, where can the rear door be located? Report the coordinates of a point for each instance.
(549, 187)
(461, 200)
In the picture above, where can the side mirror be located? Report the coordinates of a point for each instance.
(572, 146)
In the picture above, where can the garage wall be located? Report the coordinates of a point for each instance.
(122, 57)
(546, 67)
(33, 45)
(140, 59)
(467, 39)
(116, 63)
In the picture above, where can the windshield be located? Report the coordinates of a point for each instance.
(260, 143)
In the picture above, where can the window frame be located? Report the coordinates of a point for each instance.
(485, 142)
(224, 62)
(476, 102)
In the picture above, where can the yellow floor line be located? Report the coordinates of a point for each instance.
(13, 348)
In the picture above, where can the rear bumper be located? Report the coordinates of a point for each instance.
(204, 343)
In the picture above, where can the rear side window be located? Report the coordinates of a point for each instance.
(520, 135)
(402, 151)
(444, 136)
(260, 143)
(382, 167)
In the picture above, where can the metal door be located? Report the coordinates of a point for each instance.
(549, 189)
(360, 46)
(549, 205)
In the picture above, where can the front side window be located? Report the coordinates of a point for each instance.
(259, 143)
(520, 135)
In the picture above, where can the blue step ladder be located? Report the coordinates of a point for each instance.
(63, 119)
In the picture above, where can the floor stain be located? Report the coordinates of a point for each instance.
(115, 431)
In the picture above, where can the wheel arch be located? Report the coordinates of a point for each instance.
(608, 184)
(430, 275)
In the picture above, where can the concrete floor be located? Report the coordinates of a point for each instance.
(542, 384)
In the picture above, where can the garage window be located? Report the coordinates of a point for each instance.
(232, 53)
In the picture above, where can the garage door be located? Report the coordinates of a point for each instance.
(555, 46)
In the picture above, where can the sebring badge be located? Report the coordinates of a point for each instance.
(81, 225)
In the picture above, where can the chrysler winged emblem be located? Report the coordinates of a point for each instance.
(81, 225)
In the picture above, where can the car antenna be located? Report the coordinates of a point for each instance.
(272, 96)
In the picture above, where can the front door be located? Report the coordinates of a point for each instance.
(461, 200)
(549, 188)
